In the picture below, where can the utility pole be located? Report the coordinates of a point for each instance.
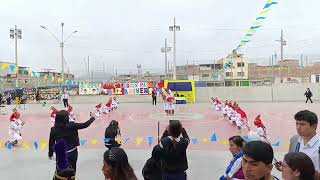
(88, 66)
(282, 43)
(61, 42)
(16, 34)
(165, 50)
(174, 28)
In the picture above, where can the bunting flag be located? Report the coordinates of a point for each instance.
(26, 146)
(34, 74)
(52, 78)
(255, 27)
(194, 141)
(205, 140)
(257, 24)
(260, 18)
(23, 70)
(4, 66)
(126, 141)
(150, 139)
(224, 142)
(1, 144)
(35, 144)
(12, 68)
(9, 146)
(213, 138)
(94, 141)
(276, 144)
(264, 12)
(43, 145)
(139, 140)
(83, 142)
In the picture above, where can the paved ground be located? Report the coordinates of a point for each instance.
(138, 121)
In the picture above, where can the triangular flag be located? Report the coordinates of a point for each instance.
(150, 139)
(264, 12)
(287, 146)
(276, 144)
(9, 146)
(205, 140)
(34, 74)
(83, 142)
(35, 144)
(255, 27)
(139, 140)
(224, 142)
(26, 146)
(4, 66)
(194, 141)
(43, 144)
(126, 141)
(258, 18)
(1, 144)
(214, 138)
(12, 66)
(94, 141)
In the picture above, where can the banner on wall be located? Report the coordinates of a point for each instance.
(89, 88)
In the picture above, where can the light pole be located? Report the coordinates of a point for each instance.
(282, 43)
(165, 50)
(16, 34)
(61, 46)
(174, 28)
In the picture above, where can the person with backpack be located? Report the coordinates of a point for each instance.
(307, 140)
(152, 169)
(110, 134)
(173, 155)
(308, 94)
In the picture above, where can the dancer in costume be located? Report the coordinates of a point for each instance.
(53, 115)
(15, 128)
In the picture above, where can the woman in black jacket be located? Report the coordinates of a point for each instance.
(68, 131)
(110, 134)
(173, 156)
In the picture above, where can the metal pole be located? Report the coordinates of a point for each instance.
(281, 55)
(16, 51)
(174, 49)
(88, 67)
(62, 63)
(165, 57)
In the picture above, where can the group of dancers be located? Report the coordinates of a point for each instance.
(109, 106)
(238, 117)
(16, 124)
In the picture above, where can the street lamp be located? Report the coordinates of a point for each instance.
(165, 50)
(174, 28)
(16, 34)
(61, 46)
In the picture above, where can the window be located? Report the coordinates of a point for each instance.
(228, 74)
(240, 64)
(205, 75)
(317, 78)
(240, 73)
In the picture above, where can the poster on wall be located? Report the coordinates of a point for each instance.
(89, 88)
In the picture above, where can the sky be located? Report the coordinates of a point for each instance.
(123, 33)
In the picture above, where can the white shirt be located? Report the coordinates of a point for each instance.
(311, 149)
(65, 96)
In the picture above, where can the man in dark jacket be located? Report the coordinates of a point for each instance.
(68, 131)
(152, 168)
(308, 94)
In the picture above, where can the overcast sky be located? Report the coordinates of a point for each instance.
(123, 33)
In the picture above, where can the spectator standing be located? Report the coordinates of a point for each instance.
(308, 94)
(110, 134)
(65, 99)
